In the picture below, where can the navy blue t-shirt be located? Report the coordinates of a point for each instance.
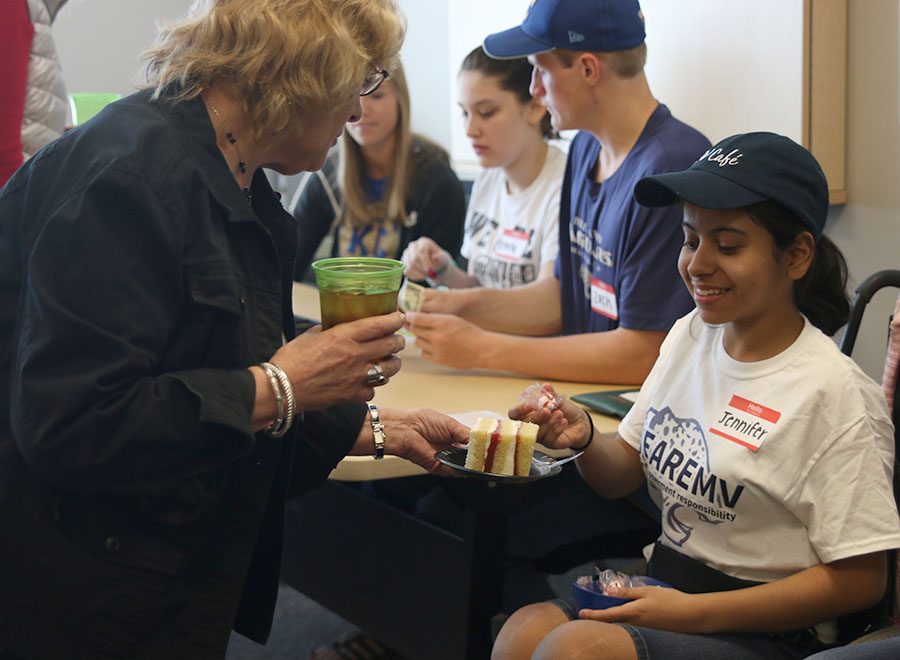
(618, 261)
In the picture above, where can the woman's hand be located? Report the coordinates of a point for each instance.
(329, 367)
(418, 434)
(423, 258)
(561, 428)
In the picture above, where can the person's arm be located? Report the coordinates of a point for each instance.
(94, 406)
(619, 356)
(327, 367)
(609, 465)
(414, 434)
(531, 309)
(423, 259)
(816, 594)
(326, 436)
(98, 403)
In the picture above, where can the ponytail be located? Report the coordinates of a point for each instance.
(821, 294)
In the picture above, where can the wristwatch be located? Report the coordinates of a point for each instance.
(377, 432)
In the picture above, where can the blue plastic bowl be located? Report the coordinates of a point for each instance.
(586, 598)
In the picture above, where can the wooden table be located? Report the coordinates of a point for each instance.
(423, 591)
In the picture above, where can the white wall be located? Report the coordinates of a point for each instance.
(425, 54)
(99, 42)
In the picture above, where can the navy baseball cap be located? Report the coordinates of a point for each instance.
(743, 170)
(601, 26)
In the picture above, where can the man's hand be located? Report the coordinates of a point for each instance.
(448, 339)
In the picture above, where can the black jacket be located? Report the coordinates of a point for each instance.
(136, 287)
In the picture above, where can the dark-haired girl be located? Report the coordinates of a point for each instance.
(512, 222)
(768, 451)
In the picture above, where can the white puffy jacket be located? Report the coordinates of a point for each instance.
(46, 103)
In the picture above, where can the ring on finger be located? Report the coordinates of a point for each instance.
(375, 376)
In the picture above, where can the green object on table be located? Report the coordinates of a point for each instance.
(608, 402)
(85, 105)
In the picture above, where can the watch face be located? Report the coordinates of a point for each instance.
(377, 431)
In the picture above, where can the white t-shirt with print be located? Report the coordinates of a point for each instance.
(508, 237)
(763, 469)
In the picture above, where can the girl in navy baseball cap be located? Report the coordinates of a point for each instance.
(768, 451)
(775, 185)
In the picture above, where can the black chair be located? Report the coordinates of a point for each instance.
(851, 627)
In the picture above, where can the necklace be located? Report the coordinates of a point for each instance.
(242, 166)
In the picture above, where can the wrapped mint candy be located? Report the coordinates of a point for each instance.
(541, 396)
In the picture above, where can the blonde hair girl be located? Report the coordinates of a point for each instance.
(386, 186)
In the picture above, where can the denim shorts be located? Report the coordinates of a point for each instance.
(652, 644)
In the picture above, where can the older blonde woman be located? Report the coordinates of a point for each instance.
(383, 188)
(155, 407)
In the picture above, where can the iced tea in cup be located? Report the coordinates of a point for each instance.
(352, 288)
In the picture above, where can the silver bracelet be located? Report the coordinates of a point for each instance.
(279, 400)
(288, 392)
(377, 432)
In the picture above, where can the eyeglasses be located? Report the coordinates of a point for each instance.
(373, 81)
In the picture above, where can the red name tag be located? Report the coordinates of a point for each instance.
(745, 422)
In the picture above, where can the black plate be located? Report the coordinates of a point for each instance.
(542, 465)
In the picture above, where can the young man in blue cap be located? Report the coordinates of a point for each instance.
(616, 291)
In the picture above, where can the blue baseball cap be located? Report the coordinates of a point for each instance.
(600, 26)
(743, 170)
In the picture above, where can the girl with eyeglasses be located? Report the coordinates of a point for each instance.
(384, 187)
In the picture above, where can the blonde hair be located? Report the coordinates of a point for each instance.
(283, 59)
(351, 169)
(625, 63)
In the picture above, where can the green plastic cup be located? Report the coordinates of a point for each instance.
(352, 288)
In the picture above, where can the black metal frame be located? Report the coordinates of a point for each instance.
(863, 295)
(851, 626)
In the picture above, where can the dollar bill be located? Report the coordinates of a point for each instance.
(412, 296)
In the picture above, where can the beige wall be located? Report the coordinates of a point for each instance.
(867, 229)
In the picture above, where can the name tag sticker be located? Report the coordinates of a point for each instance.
(603, 299)
(745, 423)
(511, 244)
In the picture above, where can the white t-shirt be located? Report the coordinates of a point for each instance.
(508, 237)
(766, 468)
